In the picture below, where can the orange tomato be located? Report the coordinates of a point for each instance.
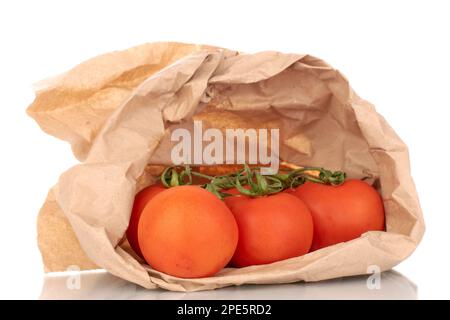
(271, 228)
(187, 232)
(341, 213)
(140, 200)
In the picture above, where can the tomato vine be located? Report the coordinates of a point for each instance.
(249, 181)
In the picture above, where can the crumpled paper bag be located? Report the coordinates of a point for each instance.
(122, 133)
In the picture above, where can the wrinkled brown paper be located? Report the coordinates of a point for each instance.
(117, 111)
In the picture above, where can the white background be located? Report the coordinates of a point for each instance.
(395, 54)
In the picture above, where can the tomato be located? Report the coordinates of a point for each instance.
(341, 213)
(187, 232)
(140, 200)
(271, 228)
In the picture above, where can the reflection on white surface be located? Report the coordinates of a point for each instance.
(102, 285)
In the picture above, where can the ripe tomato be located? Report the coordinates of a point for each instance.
(140, 201)
(187, 232)
(341, 213)
(271, 228)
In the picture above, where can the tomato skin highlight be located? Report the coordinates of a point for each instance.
(271, 228)
(140, 201)
(187, 232)
(341, 213)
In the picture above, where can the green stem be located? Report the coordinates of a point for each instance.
(259, 185)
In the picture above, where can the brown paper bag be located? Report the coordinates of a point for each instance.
(119, 131)
(73, 107)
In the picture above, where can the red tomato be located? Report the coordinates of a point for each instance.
(187, 232)
(341, 213)
(271, 228)
(141, 199)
